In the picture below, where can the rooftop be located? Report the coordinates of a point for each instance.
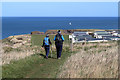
(102, 33)
(79, 33)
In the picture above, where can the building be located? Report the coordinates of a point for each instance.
(101, 34)
(106, 35)
(77, 37)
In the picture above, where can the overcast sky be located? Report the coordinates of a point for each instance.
(60, 9)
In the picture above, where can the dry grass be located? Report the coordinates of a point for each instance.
(14, 49)
(7, 57)
(1, 51)
(9, 53)
(98, 60)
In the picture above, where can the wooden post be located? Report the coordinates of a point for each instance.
(71, 44)
(103, 39)
(85, 41)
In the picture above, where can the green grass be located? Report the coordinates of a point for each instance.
(35, 66)
(38, 39)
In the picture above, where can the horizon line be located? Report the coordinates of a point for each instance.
(59, 16)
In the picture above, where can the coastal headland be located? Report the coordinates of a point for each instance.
(23, 56)
(67, 31)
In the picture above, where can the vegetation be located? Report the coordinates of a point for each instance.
(38, 39)
(89, 59)
(93, 60)
(9, 49)
(36, 66)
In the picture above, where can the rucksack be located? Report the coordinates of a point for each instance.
(58, 38)
(46, 41)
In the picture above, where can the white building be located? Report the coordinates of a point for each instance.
(77, 35)
(100, 34)
(114, 34)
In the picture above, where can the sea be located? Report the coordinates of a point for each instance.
(25, 25)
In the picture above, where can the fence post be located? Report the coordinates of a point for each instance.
(85, 41)
(71, 44)
(103, 39)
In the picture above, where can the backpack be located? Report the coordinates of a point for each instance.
(46, 41)
(58, 38)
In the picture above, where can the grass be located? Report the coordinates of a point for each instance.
(38, 39)
(9, 49)
(36, 66)
(93, 61)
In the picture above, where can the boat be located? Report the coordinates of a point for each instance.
(70, 23)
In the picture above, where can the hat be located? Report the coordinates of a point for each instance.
(47, 35)
(59, 31)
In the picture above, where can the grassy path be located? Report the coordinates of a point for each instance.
(35, 66)
(45, 68)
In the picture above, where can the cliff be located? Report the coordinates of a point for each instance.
(36, 32)
(67, 31)
(70, 31)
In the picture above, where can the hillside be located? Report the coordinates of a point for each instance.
(99, 60)
(24, 57)
(16, 47)
(27, 61)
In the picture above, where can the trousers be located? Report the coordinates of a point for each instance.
(47, 48)
(59, 49)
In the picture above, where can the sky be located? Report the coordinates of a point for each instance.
(60, 9)
(60, 0)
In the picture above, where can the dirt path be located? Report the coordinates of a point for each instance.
(99, 62)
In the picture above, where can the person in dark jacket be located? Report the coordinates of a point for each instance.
(59, 39)
(46, 45)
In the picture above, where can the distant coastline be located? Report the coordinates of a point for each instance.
(66, 31)
(70, 31)
(25, 25)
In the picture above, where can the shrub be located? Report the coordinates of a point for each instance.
(7, 49)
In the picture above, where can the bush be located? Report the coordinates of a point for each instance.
(7, 49)
(86, 48)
